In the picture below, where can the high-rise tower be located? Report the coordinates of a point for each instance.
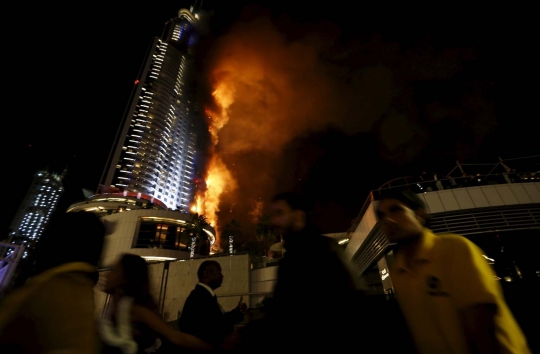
(148, 184)
(36, 208)
(154, 152)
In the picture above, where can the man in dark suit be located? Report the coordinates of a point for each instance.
(202, 315)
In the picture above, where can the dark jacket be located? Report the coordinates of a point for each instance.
(202, 317)
(313, 279)
(316, 303)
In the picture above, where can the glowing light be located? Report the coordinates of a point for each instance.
(384, 274)
(222, 181)
(193, 245)
(490, 260)
(256, 213)
(224, 97)
(218, 177)
(152, 258)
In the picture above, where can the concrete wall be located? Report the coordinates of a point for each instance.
(263, 281)
(182, 278)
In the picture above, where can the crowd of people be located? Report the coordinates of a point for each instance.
(448, 300)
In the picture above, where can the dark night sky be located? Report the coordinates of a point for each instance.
(405, 90)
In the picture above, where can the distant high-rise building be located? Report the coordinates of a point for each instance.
(36, 208)
(155, 149)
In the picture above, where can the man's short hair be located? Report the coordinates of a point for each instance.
(295, 200)
(405, 196)
(203, 268)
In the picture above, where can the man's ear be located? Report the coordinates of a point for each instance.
(421, 215)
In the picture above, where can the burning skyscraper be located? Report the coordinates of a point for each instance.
(155, 149)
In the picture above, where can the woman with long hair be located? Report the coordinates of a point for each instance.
(132, 323)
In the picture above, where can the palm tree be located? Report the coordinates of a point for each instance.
(232, 229)
(195, 229)
(265, 233)
(265, 236)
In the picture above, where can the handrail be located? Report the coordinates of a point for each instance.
(242, 294)
(519, 177)
(448, 183)
(104, 269)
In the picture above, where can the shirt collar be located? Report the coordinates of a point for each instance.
(207, 288)
(423, 253)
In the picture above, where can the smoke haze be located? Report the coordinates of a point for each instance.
(293, 95)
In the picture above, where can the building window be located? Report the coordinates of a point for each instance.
(161, 235)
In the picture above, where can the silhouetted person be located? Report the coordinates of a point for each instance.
(202, 315)
(54, 310)
(445, 287)
(315, 305)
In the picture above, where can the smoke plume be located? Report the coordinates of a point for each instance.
(271, 88)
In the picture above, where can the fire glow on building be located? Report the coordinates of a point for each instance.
(218, 177)
(157, 182)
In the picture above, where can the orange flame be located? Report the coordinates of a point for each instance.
(219, 181)
(256, 213)
(224, 97)
(218, 177)
(198, 205)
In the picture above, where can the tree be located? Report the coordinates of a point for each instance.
(232, 229)
(253, 248)
(265, 233)
(265, 236)
(195, 228)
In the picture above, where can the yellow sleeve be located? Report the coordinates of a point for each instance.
(472, 280)
(63, 312)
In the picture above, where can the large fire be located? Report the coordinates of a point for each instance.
(219, 180)
(256, 213)
(266, 91)
(218, 177)
(224, 98)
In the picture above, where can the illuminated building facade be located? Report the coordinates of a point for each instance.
(36, 208)
(155, 151)
(149, 181)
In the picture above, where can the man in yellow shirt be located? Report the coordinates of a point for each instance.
(446, 290)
